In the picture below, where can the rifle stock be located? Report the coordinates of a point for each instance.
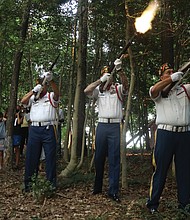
(39, 92)
(44, 80)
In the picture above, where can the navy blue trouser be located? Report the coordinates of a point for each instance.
(38, 137)
(107, 143)
(169, 144)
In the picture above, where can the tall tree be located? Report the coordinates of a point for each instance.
(128, 106)
(78, 115)
(16, 69)
(69, 127)
(167, 41)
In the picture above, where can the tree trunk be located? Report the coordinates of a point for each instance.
(70, 99)
(167, 33)
(84, 137)
(128, 108)
(15, 77)
(79, 94)
(69, 119)
(83, 16)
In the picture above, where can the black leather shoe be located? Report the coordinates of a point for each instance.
(153, 211)
(26, 190)
(115, 197)
(95, 192)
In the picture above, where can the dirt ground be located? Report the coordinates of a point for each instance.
(75, 200)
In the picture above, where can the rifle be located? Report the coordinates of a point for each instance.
(104, 85)
(53, 64)
(44, 79)
(185, 69)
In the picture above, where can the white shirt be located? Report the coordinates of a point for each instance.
(109, 105)
(42, 109)
(175, 109)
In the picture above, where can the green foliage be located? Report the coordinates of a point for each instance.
(183, 213)
(63, 131)
(51, 31)
(41, 188)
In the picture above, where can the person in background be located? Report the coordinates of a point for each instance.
(173, 137)
(42, 160)
(107, 142)
(17, 136)
(24, 129)
(2, 139)
(5, 115)
(42, 129)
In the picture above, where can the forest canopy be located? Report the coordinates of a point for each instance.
(52, 28)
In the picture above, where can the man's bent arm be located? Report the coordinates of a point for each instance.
(26, 98)
(90, 88)
(159, 86)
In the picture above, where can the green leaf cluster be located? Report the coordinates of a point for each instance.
(41, 188)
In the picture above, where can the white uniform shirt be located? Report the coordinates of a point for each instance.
(42, 109)
(109, 105)
(175, 109)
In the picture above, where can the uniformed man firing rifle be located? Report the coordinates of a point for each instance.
(42, 128)
(110, 101)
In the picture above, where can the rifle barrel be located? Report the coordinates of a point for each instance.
(119, 57)
(53, 64)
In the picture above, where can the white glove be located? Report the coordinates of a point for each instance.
(118, 64)
(48, 75)
(37, 88)
(176, 76)
(105, 77)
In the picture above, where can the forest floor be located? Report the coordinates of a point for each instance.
(74, 199)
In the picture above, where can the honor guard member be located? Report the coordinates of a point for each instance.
(107, 140)
(42, 129)
(173, 137)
